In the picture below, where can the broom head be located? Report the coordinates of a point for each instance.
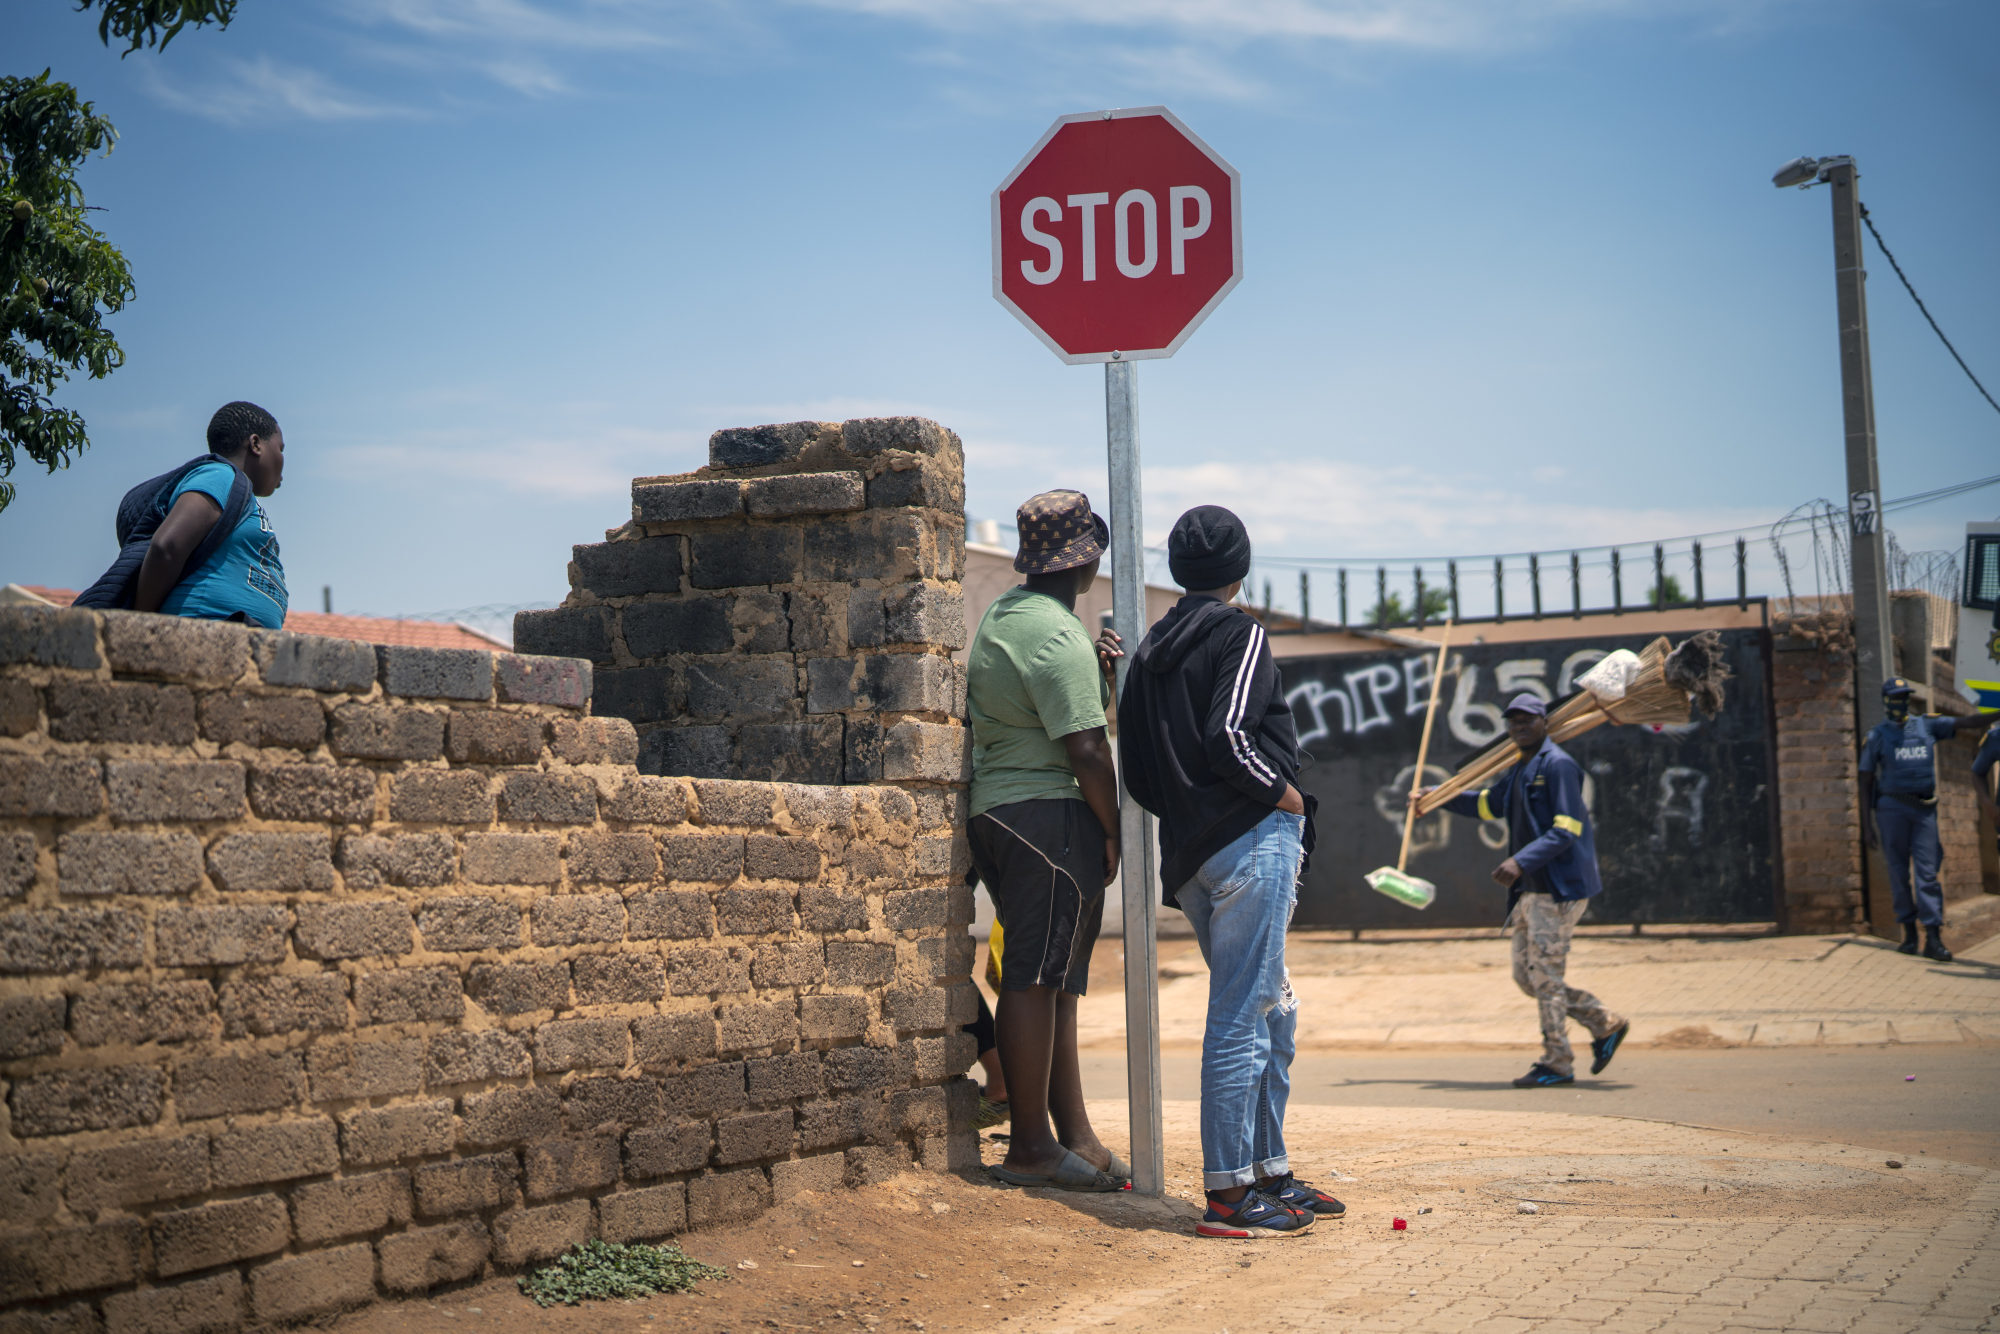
(1412, 891)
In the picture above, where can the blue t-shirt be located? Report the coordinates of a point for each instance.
(1903, 757)
(244, 575)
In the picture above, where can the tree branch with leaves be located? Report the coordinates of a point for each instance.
(59, 276)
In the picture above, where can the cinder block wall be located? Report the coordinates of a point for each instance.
(330, 971)
(787, 612)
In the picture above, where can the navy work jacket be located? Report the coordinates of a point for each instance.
(1549, 834)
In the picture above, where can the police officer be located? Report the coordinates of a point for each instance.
(1982, 772)
(1551, 876)
(1899, 810)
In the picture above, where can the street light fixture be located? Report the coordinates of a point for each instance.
(1872, 653)
(1800, 171)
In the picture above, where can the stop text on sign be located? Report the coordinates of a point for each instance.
(1116, 235)
(1187, 220)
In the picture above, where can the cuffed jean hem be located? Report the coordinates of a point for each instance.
(1247, 1176)
(1242, 1176)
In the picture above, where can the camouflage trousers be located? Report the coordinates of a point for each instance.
(1542, 927)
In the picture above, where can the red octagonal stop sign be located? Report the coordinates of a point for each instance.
(1116, 235)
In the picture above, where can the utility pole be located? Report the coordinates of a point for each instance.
(1874, 658)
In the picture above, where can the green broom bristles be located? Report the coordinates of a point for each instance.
(1411, 890)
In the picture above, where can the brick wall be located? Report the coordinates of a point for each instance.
(1819, 794)
(787, 612)
(1962, 826)
(330, 971)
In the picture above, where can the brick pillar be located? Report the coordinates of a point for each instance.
(1819, 801)
(786, 613)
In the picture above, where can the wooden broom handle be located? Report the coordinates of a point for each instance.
(1423, 747)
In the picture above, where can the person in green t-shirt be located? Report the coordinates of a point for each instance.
(1044, 831)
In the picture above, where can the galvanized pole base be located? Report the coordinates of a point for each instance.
(1128, 618)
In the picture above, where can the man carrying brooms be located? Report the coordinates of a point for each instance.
(1550, 876)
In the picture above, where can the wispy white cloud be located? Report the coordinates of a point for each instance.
(1313, 507)
(990, 54)
(1437, 25)
(260, 89)
(598, 465)
(584, 25)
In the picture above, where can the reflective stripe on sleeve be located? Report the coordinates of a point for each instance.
(1485, 807)
(1570, 824)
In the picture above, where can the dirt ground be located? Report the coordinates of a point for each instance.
(938, 1252)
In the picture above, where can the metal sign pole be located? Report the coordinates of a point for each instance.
(1137, 873)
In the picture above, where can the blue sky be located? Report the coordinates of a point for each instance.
(1515, 274)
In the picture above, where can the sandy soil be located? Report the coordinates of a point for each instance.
(933, 1252)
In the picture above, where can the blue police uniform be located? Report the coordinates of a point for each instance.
(1549, 833)
(1988, 756)
(1903, 758)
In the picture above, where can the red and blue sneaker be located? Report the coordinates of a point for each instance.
(1293, 1193)
(1254, 1216)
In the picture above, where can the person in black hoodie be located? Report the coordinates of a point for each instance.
(1206, 743)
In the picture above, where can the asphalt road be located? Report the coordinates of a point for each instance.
(1853, 1095)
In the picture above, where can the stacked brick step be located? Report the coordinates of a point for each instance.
(787, 612)
(330, 971)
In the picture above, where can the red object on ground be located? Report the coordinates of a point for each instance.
(1400, 1226)
(1116, 235)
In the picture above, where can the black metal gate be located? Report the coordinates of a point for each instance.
(1686, 817)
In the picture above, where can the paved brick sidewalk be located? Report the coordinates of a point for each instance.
(1662, 1227)
(1763, 990)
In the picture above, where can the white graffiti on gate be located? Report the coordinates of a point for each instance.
(1373, 697)
(1681, 804)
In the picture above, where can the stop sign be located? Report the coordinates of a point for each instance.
(1116, 235)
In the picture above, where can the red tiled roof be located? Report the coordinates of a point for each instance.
(368, 629)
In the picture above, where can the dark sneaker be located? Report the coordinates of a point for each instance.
(991, 1113)
(1604, 1048)
(1254, 1216)
(1909, 945)
(1539, 1076)
(1934, 946)
(1293, 1193)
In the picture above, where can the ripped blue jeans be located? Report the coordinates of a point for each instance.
(1240, 903)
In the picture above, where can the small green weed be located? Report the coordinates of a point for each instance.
(606, 1269)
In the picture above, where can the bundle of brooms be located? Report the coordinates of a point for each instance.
(1668, 682)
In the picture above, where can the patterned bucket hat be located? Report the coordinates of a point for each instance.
(1059, 531)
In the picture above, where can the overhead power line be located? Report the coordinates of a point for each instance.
(1925, 309)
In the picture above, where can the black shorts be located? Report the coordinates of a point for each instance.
(1043, 863)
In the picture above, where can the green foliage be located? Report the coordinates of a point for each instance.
(58, 275)
(1673, 592)
(1392, 611)
(598, 1270)
(155, 22)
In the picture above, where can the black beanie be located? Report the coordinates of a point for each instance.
(1209, 548)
